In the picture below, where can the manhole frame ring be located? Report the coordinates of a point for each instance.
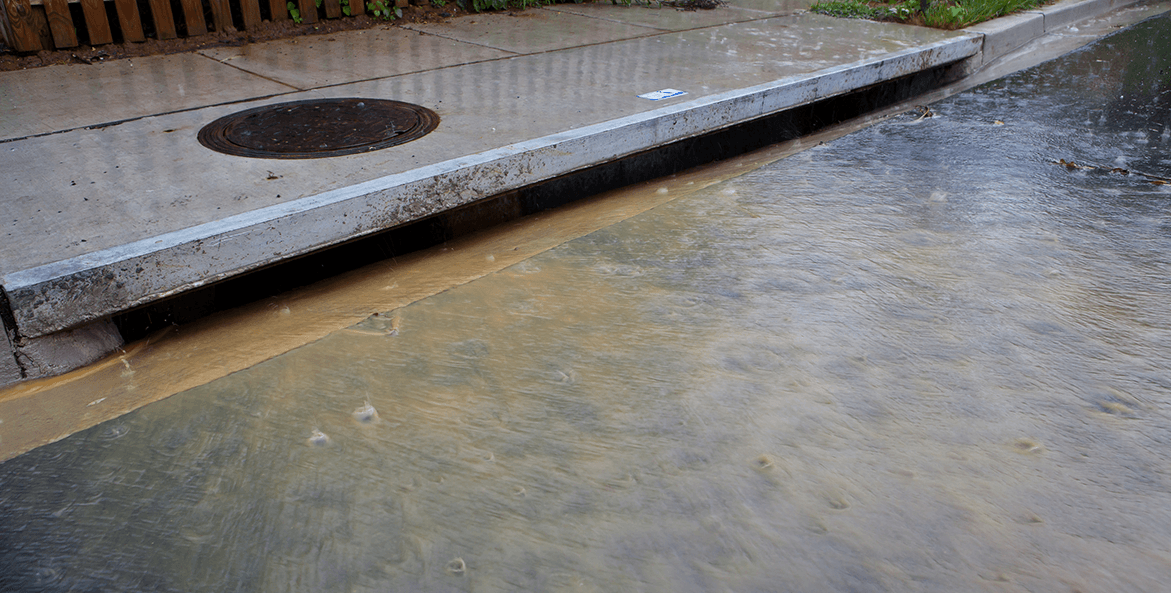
(212, 136)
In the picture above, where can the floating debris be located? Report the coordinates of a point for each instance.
(1072, 166)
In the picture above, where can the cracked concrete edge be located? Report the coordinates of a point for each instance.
(65, 294)
(9, 371)
(22, 359)
(64, 351)
(1008, 33)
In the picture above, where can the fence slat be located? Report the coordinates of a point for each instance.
(279, 9)
(221, 15)
(19, 16)
(128, 20)
(163, 18)
(27, 31)
(60, 23)
(193, 16)
(250, 10)
(96, 23)
(308, 11)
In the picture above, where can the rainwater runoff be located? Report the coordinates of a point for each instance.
(932, 355)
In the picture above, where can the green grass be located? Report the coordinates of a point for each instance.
(941, 14)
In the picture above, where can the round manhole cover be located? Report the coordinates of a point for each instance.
(318, 128)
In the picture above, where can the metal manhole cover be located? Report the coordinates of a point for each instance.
(318, 128)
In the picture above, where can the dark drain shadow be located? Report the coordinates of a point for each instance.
(659, 162)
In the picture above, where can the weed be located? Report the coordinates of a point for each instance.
(482, 5)
(961, 13)
(941, 14)
(384, 9)
(294, 13)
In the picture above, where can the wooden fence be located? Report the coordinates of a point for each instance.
(34, 25)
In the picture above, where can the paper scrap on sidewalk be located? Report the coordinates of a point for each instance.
(663, 94)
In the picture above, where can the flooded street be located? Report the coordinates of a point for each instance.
(927, 356)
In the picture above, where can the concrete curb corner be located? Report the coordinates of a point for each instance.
(1008, 33)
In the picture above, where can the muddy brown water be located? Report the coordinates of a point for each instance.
(923, 357)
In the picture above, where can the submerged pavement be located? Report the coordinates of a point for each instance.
(110, 202)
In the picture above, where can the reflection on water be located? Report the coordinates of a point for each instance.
(921, 357)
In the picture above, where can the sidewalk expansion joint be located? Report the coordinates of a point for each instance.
(465, 41)
(249, 72)
(142, 117)
(763, 17)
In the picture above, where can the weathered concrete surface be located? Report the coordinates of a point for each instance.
(83, 191)
(100, 220)
(1008, 33)
(66, 350)
(675, 20)
(541, 31)
(362, 55)
(56, 98)
(58, 295)
(9, 370)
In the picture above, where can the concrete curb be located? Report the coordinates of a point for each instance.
(10, 372)
(1064, 14)
(1009, 33)
(69, 293)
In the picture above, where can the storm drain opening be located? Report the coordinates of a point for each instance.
(318, 128)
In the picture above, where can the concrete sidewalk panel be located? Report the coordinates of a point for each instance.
(666, 18)
(55, 296)
(350, 56)
(83, 191)
(1008, 33)
(75, 96)
(532, 31)
(774, 7)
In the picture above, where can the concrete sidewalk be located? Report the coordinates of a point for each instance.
(108, 200)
